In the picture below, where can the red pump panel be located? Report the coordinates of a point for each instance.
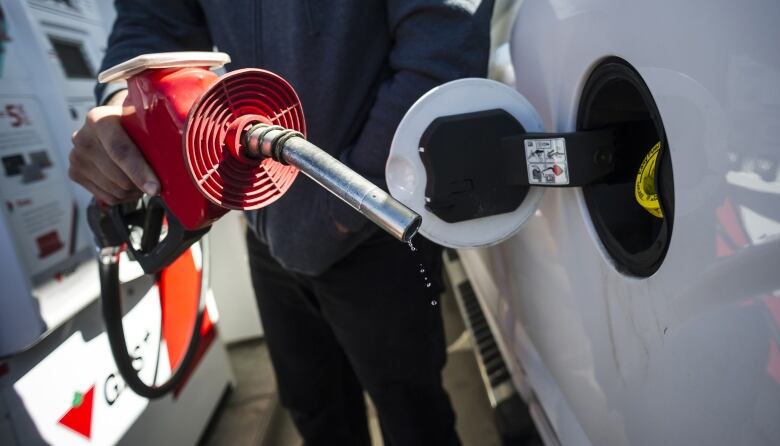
(180, 284)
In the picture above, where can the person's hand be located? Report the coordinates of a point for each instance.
(106, 162)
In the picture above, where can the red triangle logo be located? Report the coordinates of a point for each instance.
(79, 417)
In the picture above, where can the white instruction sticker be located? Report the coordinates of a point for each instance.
(546, 162)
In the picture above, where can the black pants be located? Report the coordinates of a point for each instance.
(367, 323)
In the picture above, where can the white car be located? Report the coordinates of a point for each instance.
(618, 326)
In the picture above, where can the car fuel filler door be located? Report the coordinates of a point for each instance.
(471, 157)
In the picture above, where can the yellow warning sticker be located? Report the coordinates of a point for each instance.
(644, 187)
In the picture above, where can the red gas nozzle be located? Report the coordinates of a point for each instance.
(188, 123)
(243, 138)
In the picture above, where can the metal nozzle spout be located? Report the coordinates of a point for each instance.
(291, 148)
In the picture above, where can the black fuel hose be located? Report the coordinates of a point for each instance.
(111, 301)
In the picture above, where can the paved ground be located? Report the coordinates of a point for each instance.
(464, 384)
(245, 417)
(251, 415)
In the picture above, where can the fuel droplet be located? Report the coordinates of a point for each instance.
(428, 285)
(411, 246)
(434, 303)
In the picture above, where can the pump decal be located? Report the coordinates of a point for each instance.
(79, 417)
(546, 161)
(35, 190)
(74, 396)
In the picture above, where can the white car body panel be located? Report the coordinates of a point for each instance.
(691, 354)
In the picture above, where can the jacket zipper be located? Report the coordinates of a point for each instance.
(257, 42)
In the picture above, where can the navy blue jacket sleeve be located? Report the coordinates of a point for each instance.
(153, 26)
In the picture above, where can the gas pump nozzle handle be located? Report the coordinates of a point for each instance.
(101, 225)
(288, 147)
